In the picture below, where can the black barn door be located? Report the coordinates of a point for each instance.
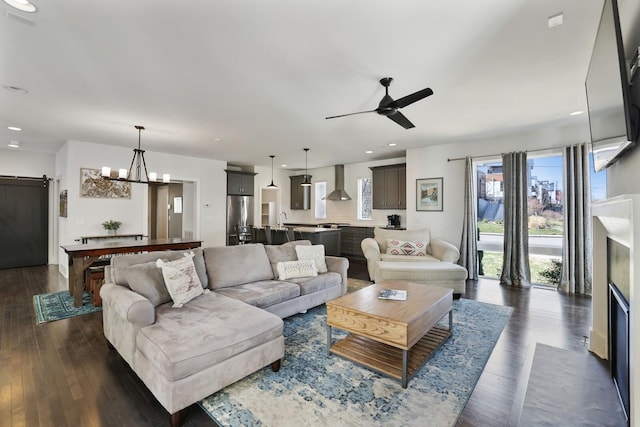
(24, 231)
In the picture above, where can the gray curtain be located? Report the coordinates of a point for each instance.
(515, 265)
(576, 198)
(469, 243)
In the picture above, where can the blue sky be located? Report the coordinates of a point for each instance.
(550, 168)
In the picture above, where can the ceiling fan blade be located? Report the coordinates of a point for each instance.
(410, 99)
(350, 114)
(400, 119)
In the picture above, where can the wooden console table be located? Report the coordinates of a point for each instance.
(85, 239)
(82, 256)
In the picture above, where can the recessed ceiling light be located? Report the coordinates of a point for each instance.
(392, 144)
(556, 20)
(22, 5)
(368, 152)
(16, 89)
(14, 144)
(283, 166)
(576, 113)
(217, 139)
(17, 129)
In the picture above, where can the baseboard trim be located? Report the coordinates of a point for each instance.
(599, 344)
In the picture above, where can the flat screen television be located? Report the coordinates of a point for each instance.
(611, 121)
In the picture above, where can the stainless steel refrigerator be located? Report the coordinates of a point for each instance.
(239, 213)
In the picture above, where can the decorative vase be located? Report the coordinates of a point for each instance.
(111, 232)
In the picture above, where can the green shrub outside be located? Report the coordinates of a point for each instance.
(544, 271)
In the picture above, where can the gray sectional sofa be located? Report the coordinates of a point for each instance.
(185, 354)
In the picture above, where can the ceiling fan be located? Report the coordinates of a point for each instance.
(388, 107)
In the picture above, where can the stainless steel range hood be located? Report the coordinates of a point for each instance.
(339, 193)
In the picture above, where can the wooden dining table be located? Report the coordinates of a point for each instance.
(82, 256)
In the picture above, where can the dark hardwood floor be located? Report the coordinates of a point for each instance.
(62, 374)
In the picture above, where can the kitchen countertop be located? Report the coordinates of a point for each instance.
(317, 224)
(334, 225)
(306, 229)
(315, 229)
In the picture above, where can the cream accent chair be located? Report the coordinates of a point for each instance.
(438, 267)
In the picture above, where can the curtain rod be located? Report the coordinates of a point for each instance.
(496, 155)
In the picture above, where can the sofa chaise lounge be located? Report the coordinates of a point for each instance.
(230, 331)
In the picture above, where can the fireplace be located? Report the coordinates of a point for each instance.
(619, 344)
(615, 330)
(618, 269)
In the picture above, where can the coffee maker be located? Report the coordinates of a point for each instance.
(393, 221)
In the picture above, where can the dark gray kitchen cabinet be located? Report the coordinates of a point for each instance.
(350, 240)
(240, 183)
(300, 196)
(389, 187)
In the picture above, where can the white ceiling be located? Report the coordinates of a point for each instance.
(263, 75)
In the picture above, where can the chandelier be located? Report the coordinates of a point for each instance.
(136, 169)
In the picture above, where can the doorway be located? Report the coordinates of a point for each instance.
(24, 221)
(172, 210)
(269, 207)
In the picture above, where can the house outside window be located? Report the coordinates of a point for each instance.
(321, 204)
(365, 198)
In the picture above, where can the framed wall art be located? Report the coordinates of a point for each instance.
(429, 194)
(93, 185)
(63, 203)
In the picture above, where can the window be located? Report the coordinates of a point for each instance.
(598, 182)
(545, 216)
(365, 198)
(321, 204)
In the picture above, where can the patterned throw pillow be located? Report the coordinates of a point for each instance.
(181, 279)
(401, 247)
(295, 269)
(315, 253)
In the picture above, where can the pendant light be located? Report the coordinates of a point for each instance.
(306, 182)
(136, 176)
(272, 185)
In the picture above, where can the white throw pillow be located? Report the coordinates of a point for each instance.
(315, 253)
(402, 247)
(181, 279)
(295, 269)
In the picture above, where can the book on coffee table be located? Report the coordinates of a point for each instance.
(393, 294)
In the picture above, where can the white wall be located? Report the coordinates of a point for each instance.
(17, 162)
(85, 215)
(621, 176)
(431, 162)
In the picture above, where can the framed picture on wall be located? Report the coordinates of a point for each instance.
(429, 194)
(63, 203)
(93, 185)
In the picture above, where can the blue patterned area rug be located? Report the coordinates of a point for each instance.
(59, 305)
(313, 389)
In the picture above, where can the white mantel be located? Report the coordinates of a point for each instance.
(617, 218)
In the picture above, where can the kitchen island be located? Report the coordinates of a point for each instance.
(329, 237)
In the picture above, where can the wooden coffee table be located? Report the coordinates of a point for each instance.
(394, 338)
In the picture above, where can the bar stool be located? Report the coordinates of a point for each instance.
(268, 235)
